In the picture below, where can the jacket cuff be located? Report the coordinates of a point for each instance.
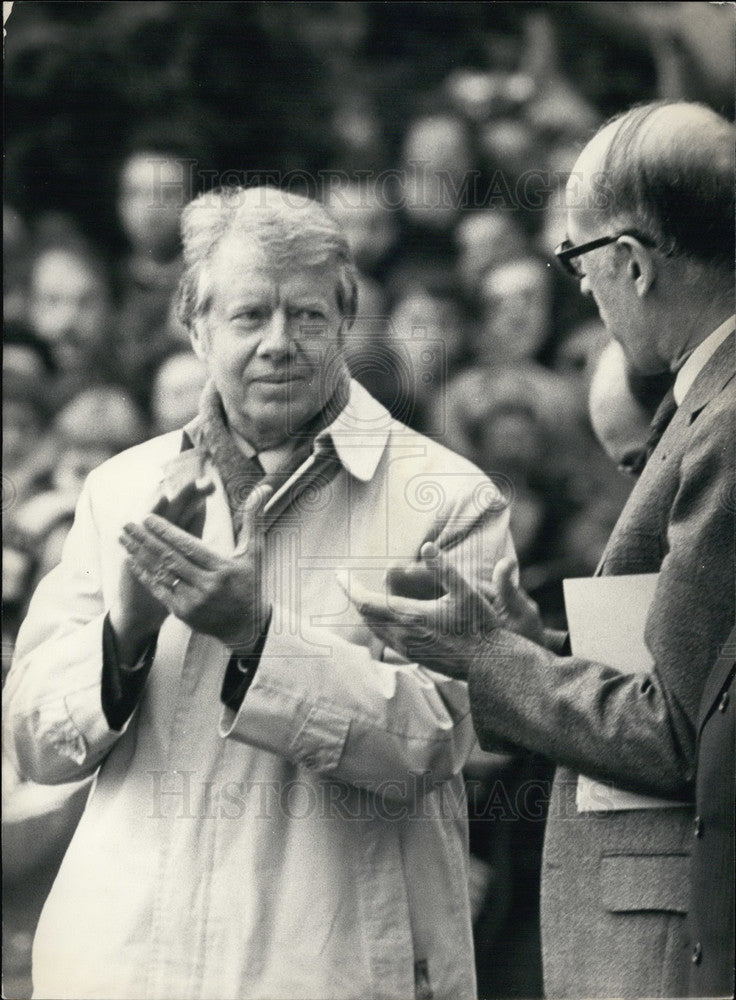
(240, 671)
(557, 641)
(122, 685)
(492, 656)
(82, 728)
(283, 712)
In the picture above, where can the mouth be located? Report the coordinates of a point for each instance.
(280, 378)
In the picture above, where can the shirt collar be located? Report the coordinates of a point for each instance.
(359, 433)
(271, 459)
(698, 359)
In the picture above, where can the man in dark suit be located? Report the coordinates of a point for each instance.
(650, 225)
(711, 911)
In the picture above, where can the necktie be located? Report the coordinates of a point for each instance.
(660, 421)
(317, 466)
(240, 486)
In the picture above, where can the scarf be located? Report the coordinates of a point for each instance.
(241, 474)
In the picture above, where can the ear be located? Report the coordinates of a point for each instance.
(641, 267)
(198, 337)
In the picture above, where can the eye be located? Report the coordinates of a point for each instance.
(309, 315)
(251, 316)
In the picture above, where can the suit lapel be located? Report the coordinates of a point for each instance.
(714, 377)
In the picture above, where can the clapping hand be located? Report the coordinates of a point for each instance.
(433, 616)
(442, 632)
(136, 615)
(222, 596)
(514, 608)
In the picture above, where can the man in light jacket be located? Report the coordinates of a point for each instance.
(278, 806)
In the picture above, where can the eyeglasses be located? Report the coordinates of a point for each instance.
(567, 254)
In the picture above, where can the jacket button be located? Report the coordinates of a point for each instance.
(723, 704)
(697, 955)
(698, 827)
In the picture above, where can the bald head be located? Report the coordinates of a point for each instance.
(619, 421)
(666, 171)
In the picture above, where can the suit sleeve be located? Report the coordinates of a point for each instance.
(357, 713)
(53, 696)
(638, 731)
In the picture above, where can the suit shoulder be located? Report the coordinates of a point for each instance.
(715, 425)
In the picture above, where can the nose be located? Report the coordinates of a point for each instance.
(276, 341)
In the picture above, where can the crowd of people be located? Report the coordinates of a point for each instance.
(441, 137)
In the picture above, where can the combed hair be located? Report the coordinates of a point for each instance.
(291, 229)
(675, 183)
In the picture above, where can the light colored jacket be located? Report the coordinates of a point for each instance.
(314, 843)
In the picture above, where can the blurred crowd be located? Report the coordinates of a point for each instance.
(441, 135)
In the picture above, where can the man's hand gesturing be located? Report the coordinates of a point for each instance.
(442, 634)
(218, 595)
(515, 609)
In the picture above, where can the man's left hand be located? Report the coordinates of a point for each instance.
(443, 634)
(218, 595)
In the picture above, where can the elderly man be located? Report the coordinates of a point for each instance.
(650, 221)
(278, 806)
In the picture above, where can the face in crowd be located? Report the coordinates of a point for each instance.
(70, 305)
(515, 302)
(153, 191)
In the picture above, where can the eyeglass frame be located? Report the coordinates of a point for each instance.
(566, 253)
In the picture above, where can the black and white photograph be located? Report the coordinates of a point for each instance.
(369, 500)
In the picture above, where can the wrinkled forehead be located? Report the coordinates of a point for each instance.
(269, 248)
(239, 262)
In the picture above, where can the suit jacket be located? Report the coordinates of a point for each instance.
(711, 913)
(615, 884)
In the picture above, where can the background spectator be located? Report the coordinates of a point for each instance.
(71, 309)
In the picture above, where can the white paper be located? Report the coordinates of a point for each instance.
(606, 617)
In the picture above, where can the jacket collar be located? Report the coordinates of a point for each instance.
(714, 376)
(359, 433)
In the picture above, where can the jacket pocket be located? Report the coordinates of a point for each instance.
(636, 882)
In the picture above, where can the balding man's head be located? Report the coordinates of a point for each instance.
(666, 171)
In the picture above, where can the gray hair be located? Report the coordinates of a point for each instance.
(290, 228)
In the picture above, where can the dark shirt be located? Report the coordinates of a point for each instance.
(122, 684)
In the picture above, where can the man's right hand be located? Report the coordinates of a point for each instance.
(136, 616)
